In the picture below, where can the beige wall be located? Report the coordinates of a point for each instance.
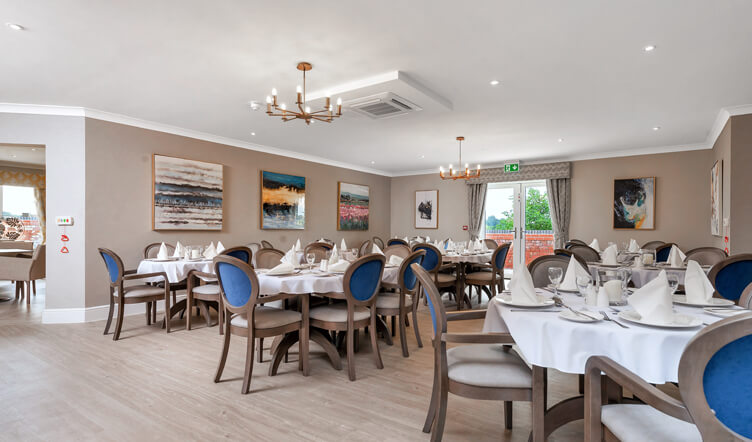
(741, 184)
(118, 195)
(452, 206)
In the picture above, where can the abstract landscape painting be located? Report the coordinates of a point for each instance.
(716, 198)
(352, 207)
(427, 209)
(187, 194)
(634, 203)
(282, 201)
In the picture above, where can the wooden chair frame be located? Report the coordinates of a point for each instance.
(365, 248)
(400, 250)
(497, 274)
(442, 385)
(651, 245)
(319, 249)
(720, 252)
(716, 269)
(251, 332)
(440, 266)
(745, 300)
(261, 255)
(662, 247)
(122, 300)
(395, 241)
(378, 241)
(544, 260)
(568, 253)
(266, 244)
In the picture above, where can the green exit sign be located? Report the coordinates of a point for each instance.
(512, 167)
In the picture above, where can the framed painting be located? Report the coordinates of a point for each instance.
(186, 194)
(352, 206)
(282, 201)
(426, 209)
(716, 197)
(634, 203)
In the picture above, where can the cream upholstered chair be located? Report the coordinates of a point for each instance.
(488, 370)
(378, 241)
(24, 271)
(319, 249)
(714, 384)
(396, 250)
(365, 248)
(268, 258)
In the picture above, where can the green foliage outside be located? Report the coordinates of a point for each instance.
(537, 216)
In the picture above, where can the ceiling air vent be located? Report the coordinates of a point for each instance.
(383, 105)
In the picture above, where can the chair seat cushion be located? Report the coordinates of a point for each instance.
(140, 291)
(485, 277)
(391, 300)
(488, 365)
(446, 278)
(337, 313)
(207, 289)
(634, 422)
(268, 317)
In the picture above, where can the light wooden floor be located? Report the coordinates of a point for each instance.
(69, 382)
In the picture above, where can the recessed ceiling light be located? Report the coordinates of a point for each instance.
(14, 26)
(656, 127)
(253, 134)
(373, 162)
(560, 140)
(12, 156)
(422, 156)
(33, 149)
(494, 82)
(649, 48)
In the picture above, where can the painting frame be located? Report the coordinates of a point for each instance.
(157, 225)
(716, 198)
(340, 205)
(649, 208)
(421, 196)
(262, 224)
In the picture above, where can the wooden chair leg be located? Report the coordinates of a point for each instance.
(189, 309)
(394, 328)
(220, 315)
(375, 343)
(403, 334)
(119, 324)
(109, 316)
(249, 353)
(225, 348)
(351, 349)
(167, 316)
(148, 313)
(34, 287)
(27, 284)
(415, 325)
(437, 432)
(432, 405)
(261, 350)
(153, 312)
(508, 415)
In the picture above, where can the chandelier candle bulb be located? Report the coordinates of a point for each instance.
(303, 112)
(460, 174)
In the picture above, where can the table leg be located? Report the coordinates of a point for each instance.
(381, 327)
(291, 338)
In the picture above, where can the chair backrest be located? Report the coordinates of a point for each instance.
(577, 241)
(38, 262)
(255, 247)
(539, 268)
(400, 250)
(745, 300)
(407, 279)
(152, 249)
(325, 244)
(268, 258)
(363, 279)
(715, 379)
(365, 248)
(662, 252)
(394, 241)
(732, 275)
(266, 244)
(499, 257)
(569, 254)
(378, 241)
(706, 256)
(432, 260)
(238, 284)
(114, 265)
(318, 250)
(242, 253)
(651, 245)
(587, 253)
(491, 244)
(433, 298)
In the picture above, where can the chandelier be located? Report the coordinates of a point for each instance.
(304, 112)
(459, 174)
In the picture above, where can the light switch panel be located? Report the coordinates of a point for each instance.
(64, 220)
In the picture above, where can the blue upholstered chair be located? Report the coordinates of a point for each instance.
(361, 285)
(433, 264)
(732, 275)
(493, 279)
(397, 304)
(715, 382)
(662, 252)
(244, 316)
(488, 370)
(394, 241)
(122, 294)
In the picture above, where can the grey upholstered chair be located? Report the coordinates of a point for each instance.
(365, 248)
(378, 241)
(539, 268)
(706, 256)
(587, 253)
(24, 271)
(268, 258)
(396, 250)
(652, 245)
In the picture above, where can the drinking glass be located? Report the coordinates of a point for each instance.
(626, 274)
(310, 259)
(673, 281)
(554, 275)
(583, 282)
(354, 255)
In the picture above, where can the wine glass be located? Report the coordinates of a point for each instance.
(626, 274)
(310, 259)
(354, 255)
(583, 282)
(673, 281)
(554, 275)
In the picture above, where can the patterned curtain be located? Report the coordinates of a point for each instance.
(476, 203)
(527, 172)
(12, 176)
(559, 197)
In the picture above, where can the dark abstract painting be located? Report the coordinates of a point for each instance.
(282, 201)
(634, 203)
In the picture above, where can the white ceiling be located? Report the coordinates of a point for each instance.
(22, 155)
(569, 69)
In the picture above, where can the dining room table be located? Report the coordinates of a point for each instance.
(552, 337)
(10, 252)
(461, 262)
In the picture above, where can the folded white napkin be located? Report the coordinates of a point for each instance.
(334, 256)
(594, 244)
(322, 240)
(290, 257)
(297, 245)
(676, 257)
(450, 244)
(521, 285)
(179, 251)
(406, 240)
(471, 246)
(697, 286)
(220, 247)
(281, 269)
(608, 256)
(574, 269)
(395, 260)
(419, 239)
(653, 301)
(440, 245)
(428, 239)
(633, 246)
(376, 249)
(210, 251)
(340, 266)
(343, 245)
(162, 253)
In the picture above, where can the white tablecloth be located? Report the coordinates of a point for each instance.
(549, 341)
(474, 259)
(176, 270)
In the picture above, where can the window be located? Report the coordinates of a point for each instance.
(20, 202)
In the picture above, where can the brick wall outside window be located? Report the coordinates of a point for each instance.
(537, 243)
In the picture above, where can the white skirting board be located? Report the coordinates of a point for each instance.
(97, 313)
